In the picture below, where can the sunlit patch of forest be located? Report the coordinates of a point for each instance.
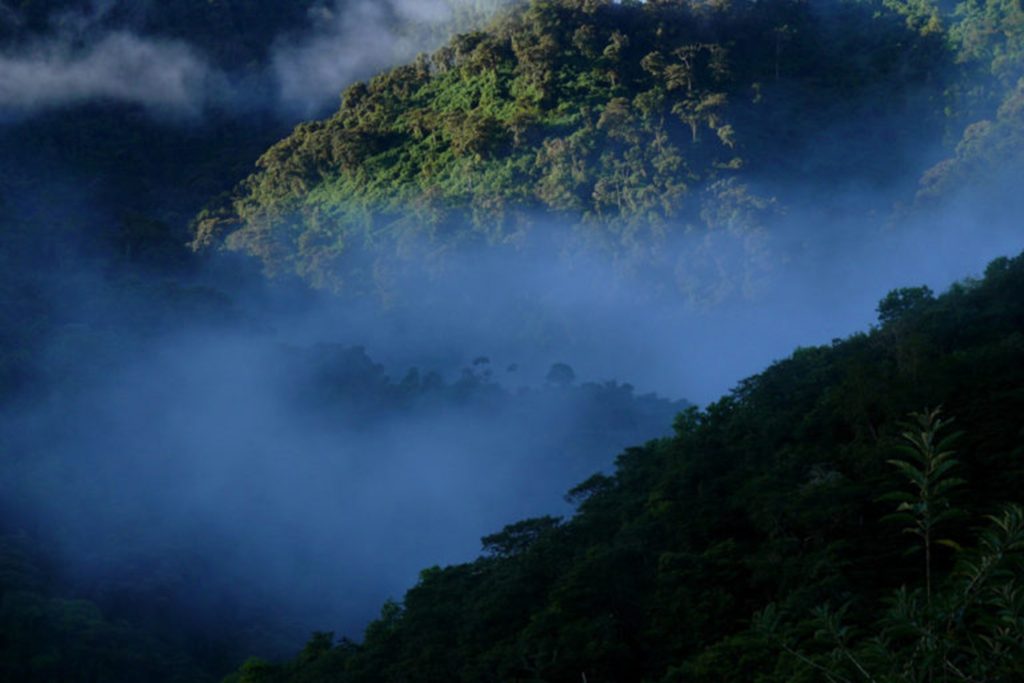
(850, 513)
(634, 127)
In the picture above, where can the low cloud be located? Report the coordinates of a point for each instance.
(89, 56)
(351, 40)
(121, 67)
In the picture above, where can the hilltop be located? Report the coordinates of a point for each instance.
(572, 124)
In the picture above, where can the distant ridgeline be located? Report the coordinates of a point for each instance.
(633, 124)
(767, 540)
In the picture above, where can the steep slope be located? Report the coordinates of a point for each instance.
(109, 583)
(988, 39)
(704, 556)
(94, 176)
(636, 122)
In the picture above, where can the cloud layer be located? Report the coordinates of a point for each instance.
(120, 67)
(84, 60)
(350, 41)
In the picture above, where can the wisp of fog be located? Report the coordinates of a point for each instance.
(270, 460)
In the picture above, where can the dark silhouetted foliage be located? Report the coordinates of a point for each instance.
(755, 544)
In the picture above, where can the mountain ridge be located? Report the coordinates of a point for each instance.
(715, 554)
(633, 122)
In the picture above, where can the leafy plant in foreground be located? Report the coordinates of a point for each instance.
(926, 505)
(968, 626)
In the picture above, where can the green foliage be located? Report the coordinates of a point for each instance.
(623, 120)
(752, 546)
(970, 631)
(48, 638)
(902, 302)
(517, 538)
(927, 471)
(634, 121)
(984, 103)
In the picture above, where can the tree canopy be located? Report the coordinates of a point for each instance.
(756, 544)
(634, 122)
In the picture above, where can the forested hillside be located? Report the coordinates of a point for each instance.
(162, 606)
(642, 125)
(760, 542)
(109, 176)
(258, 368)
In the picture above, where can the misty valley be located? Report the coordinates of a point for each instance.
(511, 340)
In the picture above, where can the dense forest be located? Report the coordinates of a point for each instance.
(765, 541)
(302, 300)
(113, 181)
(168, 613)
(633, 127)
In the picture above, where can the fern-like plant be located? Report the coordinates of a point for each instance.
(927, 468)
